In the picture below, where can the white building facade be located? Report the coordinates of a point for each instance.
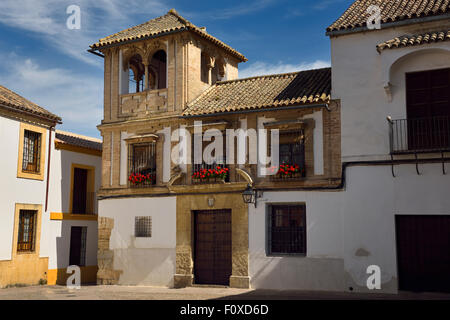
(36, 220)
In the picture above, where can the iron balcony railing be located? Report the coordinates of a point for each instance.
(200, 173)
(142, 165)
(84, 203)
(418, 135)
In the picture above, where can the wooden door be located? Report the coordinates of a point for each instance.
(212, 249)
(75, 246)
(423, 252)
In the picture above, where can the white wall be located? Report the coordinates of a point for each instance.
(340, 223)
(59, 198)
(359, 76)
(144, 261)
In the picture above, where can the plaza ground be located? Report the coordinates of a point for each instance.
(192, 293)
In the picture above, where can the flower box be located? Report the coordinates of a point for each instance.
(211, 175)
(139, 179)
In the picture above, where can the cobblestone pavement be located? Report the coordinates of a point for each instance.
(191, 293)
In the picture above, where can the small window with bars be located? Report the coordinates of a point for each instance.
(142, 165)
(27, 231)
(286, 232)
(31, 152)
(143, 227)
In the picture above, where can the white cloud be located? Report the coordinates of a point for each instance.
(77, 98)
(263, 68)
(47, 21)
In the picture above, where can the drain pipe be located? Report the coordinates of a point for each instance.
(48, 165)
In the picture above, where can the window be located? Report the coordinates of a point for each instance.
(27, 231)
(143, 227)
(158, 71)
(78, 237)
(286, 229)
(136, 74)
(31, 159)
(204, 69)
(217, 171)
(82, 197)
(142, 164)
(31, 151)
(291, 156)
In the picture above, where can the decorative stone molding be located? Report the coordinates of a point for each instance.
(106, 274)
(142, 104)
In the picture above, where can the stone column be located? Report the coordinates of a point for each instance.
(146, 75)
(210, 65)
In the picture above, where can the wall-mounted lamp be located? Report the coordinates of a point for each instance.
(249, 195)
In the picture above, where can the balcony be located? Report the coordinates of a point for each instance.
(420, 135)
(83, 203)
(210, 173)
(143, 103)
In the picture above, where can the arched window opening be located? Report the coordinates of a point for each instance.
(136, 74)
(204, 68)
(157, 73)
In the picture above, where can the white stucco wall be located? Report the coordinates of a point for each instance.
(144, 261)
(59, 198)
(15, 190)
(359, 76)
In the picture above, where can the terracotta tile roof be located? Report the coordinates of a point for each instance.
(12, 100)
(160, 26)
(414, 40)
(304, 87)
(78, 140)
(391, 11)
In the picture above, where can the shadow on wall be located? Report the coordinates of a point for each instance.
(66, 168)
(59, 276)
(296, 273)
(144, 266)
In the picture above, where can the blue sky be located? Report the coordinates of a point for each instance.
(48, 64)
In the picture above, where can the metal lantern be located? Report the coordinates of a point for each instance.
(249, 195)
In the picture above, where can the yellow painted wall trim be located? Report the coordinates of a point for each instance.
(43, 132)
(24, 267)
(70, 216)
(59, 276)
(64, 146)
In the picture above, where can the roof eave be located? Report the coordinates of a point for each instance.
(53, 119)
(386, 25)
(95, 48)
(324, 104)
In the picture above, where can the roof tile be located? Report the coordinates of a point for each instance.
(391, 10)
(414, 40)
(170, 22)
(78, 140)
(11, 99)
(288, 89)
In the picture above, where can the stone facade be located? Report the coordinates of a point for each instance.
(153, 111)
